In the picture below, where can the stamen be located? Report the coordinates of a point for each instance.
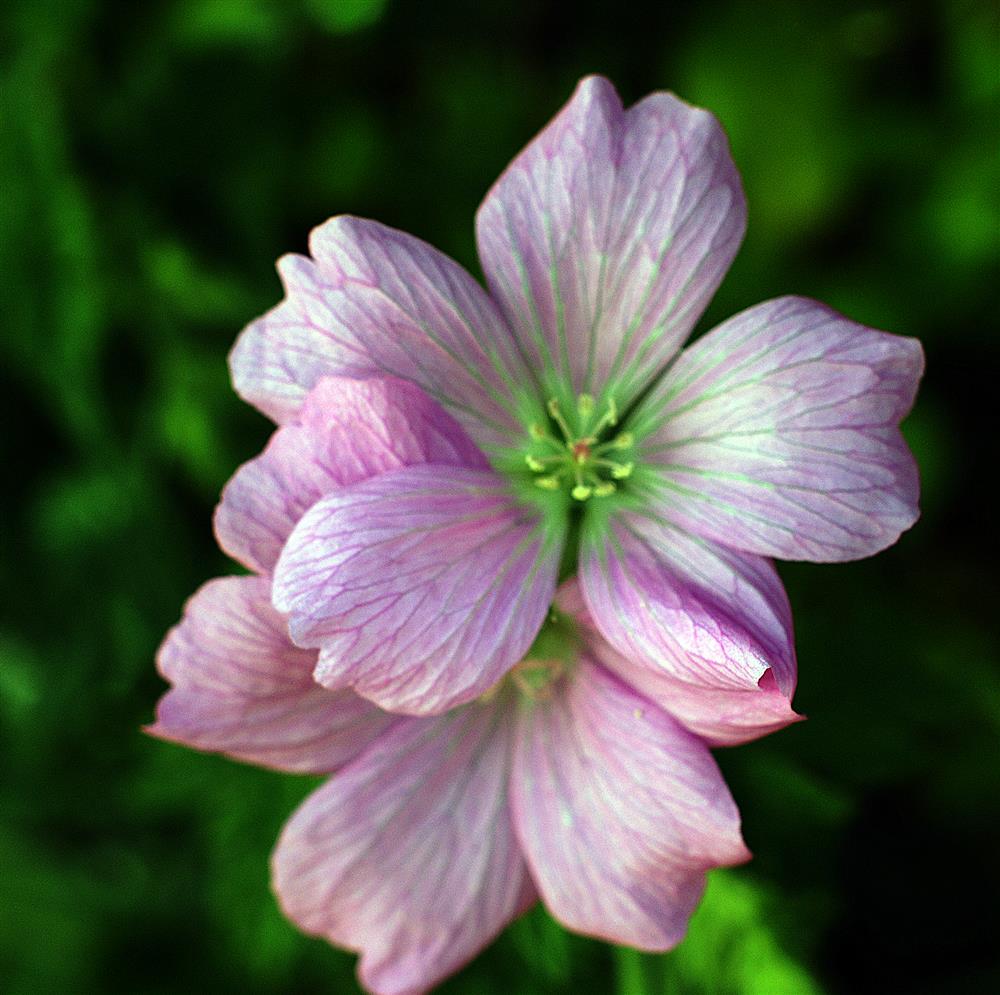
(618, 470)
(559, 447)
(557, 417)
(540, 434)
(623, 441)
(535, 678)
(523, 684)
(538, 464)
(610, 417)
(578, 460)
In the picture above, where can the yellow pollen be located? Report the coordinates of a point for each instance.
(622, 470)
(582, 491)
(548, 483)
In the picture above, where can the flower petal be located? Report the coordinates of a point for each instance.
(606, 237)
(375, 301)
(346, 431)
(408, 855)
(778, 434)
(719, 716)
(242, 688)
(421, 587)
(698, 626)
(619, 811)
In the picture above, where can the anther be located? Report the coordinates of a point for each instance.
(622, 470)
(605, 489)
(534, 463)
(537, 432)
(548, 483)
(585, 405)
(582, 491)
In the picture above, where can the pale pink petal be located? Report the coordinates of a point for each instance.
(375, 301)
(619, 811)
(346, 431)
(778, 434)
(607, 236)
(719, 716)
(698, 626)
(421, 587)
(242, 688)
(408, 855)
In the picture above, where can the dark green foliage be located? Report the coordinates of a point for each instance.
(155, 158)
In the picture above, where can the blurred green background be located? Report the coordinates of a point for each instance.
(155, 158)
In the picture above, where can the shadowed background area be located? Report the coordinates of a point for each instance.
(156, 158)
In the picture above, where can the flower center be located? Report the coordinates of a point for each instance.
(551, 657)
(578, 455)
(535, 679)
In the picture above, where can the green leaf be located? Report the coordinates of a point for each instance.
(733, 947)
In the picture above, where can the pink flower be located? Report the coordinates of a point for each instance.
(444, 458)
(563, 780)
(665, 478)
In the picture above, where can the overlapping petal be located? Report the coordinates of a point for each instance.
(778, 434)
(619, 810)
(421, 587)
(408, 855)
(704, 630)
(242, 688)
(346, 431)
(721, 717)
(606, 237)
(376, 301)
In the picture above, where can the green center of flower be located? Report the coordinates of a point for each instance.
(551, 657)
(579, 450)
